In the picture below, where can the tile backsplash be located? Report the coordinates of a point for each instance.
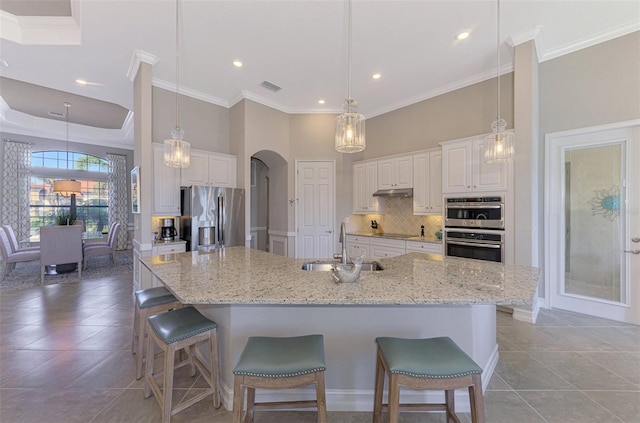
(398, 218)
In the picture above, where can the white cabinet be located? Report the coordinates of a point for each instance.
(357, 246)
(395, 172)
(365, 183)
(210, 169)
(172, 248)
(427, 182)
(464, 168)
(166, 185)
(424, 247)
(385, 248)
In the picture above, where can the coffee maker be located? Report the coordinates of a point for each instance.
(168, 230)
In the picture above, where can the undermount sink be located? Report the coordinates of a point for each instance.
(327, 266)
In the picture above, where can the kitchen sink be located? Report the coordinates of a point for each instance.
(327, 266)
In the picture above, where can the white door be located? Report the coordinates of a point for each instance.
(593, 232)
(315, 214)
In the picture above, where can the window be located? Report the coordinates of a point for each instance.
(46, 206)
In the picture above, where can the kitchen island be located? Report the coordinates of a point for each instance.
(249, 292)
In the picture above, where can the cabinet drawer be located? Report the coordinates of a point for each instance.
(388, 243)
(385, 252)
(424, 247)
(171, 249)
(358, 238)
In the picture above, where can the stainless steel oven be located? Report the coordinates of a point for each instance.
(474, 212)
(479, 245)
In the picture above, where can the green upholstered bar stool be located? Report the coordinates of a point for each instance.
(279, 363)
(148, 302)
(173, 331)
(426, 364)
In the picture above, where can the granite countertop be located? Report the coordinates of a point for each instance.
(239, 275)
(427, 238)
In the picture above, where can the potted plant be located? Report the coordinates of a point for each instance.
(66, 219)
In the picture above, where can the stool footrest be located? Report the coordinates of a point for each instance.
(284, 404)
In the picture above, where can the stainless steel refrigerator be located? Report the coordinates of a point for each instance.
(212, 217)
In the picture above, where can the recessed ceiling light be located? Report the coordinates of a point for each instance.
(85, 82)
(4, 63)
(82, 82)
(463, 35)
(237, 63)
(376, 76)
(321, 101)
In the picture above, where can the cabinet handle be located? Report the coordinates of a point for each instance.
(328, 232)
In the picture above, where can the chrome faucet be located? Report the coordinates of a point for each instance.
(343, 256)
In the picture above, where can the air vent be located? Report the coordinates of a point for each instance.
(273, 87)
(55, 114)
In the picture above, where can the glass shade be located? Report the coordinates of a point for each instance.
(66, 187)
(349, 134)
(177, 153)
(499, 144)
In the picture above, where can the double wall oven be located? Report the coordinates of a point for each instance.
(474, 228)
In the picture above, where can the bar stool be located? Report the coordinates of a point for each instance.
(173, 331)
(279, 363)
(148, 302)
(426, 364)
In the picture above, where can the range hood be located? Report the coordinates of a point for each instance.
(398, 192)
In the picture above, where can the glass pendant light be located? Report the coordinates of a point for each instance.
(350, 124)
(67, 187)
(499, 144)
(177, 152)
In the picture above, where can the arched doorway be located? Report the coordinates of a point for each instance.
(269, 205)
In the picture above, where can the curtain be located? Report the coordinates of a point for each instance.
(15, 190)
(118, 197)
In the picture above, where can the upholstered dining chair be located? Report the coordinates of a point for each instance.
(92, 249)
(15, 246)
(11, 257)
(60, 245)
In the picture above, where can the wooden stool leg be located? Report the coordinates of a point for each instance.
(149, 363)
(133, 332)
(450, 402)
(394, 399)
(167, 394)
(251, 404)
(238, 399)
(476, 399)
(379, 390)
(320, 398)
(140, 335)
(214, 361)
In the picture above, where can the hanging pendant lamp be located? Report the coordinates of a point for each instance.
(499, 144)
(177, 152)
(349, 136)
(67, 187)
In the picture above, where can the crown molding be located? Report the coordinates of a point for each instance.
(138, 57)
(40, 30)
(169, 86)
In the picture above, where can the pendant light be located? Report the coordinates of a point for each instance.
(499, 144)
(67, 187)
(177, 152)
(349, 135)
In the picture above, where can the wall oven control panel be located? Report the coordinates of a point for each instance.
(474, 212)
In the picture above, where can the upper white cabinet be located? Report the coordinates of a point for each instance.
(427, 182)
(210, 169)
(365, 183)
(464, 168)
(395, 172)
(166, 185)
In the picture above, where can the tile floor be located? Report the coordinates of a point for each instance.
(65, 357)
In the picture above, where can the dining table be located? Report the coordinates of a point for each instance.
(34, 240)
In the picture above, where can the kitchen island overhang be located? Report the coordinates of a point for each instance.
(249, 292)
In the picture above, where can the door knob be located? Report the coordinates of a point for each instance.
(632, 251)
(328, 232)
(635, 239)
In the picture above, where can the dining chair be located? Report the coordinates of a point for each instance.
(13, 240)
(92, 249)
(10, 257)
(60, 245)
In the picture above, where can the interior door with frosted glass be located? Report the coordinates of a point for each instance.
(596, 262)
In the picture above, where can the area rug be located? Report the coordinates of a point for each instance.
(27, 275)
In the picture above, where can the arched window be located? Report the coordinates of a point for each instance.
(91, 171)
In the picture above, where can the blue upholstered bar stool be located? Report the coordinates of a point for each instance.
(426, 364)
(279, 363)
(173, 331)
(148, 302)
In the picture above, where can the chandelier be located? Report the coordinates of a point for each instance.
(177, 152)
(349, 135)
(499, 144)
(67, 187)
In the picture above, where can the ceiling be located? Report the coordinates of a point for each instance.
(300, 46)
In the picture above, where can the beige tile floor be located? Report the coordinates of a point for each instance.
(65, 357)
